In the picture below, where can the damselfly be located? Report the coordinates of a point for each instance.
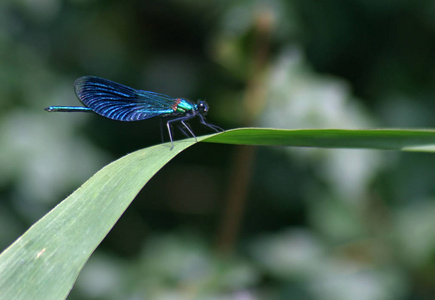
(122, 103)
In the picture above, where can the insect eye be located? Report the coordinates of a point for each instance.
(202, 107)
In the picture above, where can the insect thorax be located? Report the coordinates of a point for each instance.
(182, 105)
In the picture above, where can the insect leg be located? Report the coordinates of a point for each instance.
(186, 134)
(212, 126)
(168, 125)
(188, 127)
(182, 120)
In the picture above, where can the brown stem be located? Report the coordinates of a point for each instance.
(253, 104)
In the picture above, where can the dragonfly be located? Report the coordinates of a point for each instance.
(122, 103)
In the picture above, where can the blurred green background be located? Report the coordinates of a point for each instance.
(227, 222)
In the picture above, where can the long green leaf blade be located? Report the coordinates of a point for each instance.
(382, 139)
(45, 261)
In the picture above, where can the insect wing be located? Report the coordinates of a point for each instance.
(119, 102)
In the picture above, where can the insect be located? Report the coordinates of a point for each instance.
(122, 103)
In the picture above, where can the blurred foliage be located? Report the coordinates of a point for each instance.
(318, 224)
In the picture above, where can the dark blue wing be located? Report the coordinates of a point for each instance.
(119, 102)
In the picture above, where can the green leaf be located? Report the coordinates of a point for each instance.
(382, 139)
(45, 262)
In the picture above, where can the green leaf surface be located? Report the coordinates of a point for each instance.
(382, 139)
(45, 261)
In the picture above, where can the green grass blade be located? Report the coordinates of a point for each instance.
(383, 139)
(45, 262)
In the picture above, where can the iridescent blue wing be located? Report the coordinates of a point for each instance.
(119, 102)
